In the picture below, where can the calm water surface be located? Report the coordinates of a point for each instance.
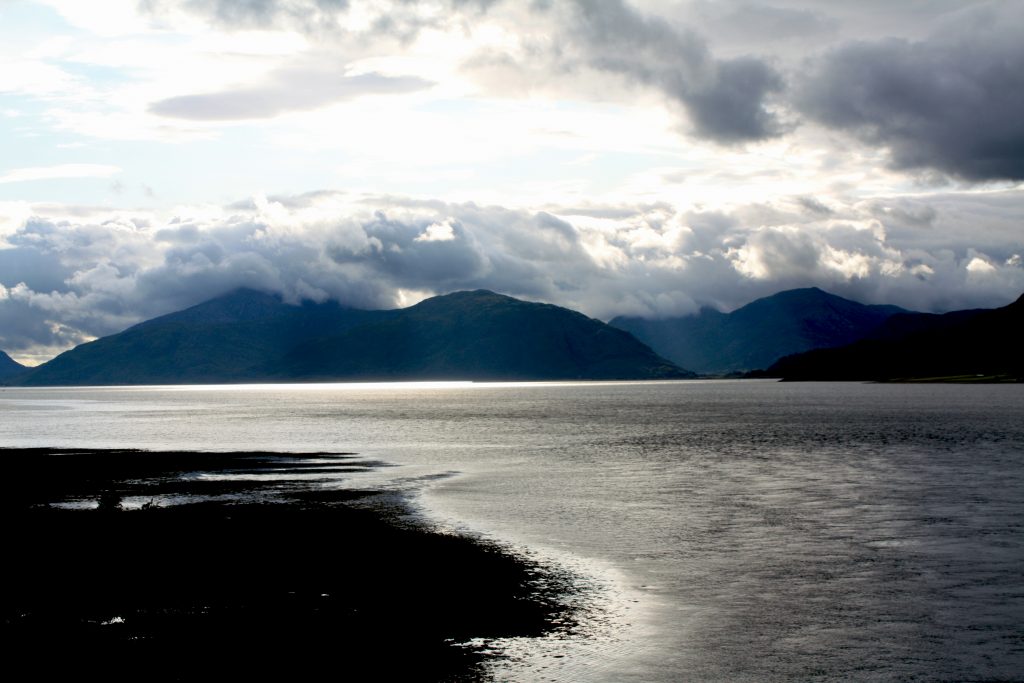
(734, 531)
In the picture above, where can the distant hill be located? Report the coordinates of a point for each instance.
(758, 334)
(251, 336)
(228, 339)
(9, 367)
(974, 345)
(481, 335)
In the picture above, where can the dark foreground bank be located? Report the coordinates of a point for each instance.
(123, 563)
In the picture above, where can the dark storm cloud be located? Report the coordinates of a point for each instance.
(41, 271)
(952, 102)
(727, 100)
(405, 258)
(295, 89)
(731, 106)
(25, 327)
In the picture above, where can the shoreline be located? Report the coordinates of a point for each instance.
(185, 565)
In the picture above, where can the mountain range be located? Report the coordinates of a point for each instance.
(758, 334)
(250, 336)
(803, 334)
(971, 345)
(9, 367)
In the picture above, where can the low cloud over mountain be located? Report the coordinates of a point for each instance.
(71, 278)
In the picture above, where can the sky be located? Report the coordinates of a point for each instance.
(618, 157)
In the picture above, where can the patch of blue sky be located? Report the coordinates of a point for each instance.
(28, 140)
(232, 166)
(65, 191)
(537, 172)
(454, 106)
(236, 165)
(99, 75)
(17, 108)
(24, 25)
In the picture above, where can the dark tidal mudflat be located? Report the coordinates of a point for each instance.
(230, 578)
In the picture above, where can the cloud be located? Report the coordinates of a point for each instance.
(727, 100)
(437, 232)
(951, 102)
(730, 105)
(980, 266)
(20, 175)
(814, 206)
(39, 270)
(747, 22)
(289, 89)
(308, 14)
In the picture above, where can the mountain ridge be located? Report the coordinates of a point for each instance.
(247, 335)
(968, 345)
(10, 367)
(526, 340)
(760, 332)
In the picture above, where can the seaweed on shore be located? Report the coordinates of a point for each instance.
(291, 584)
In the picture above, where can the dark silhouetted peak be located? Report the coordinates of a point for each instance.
(804, 302)
(801, 293)
(760, 332)
(970, 345)
(469, 298)
(9, 367)
(235, 306)
(472, 294)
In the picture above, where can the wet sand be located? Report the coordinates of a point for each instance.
(191, 566)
